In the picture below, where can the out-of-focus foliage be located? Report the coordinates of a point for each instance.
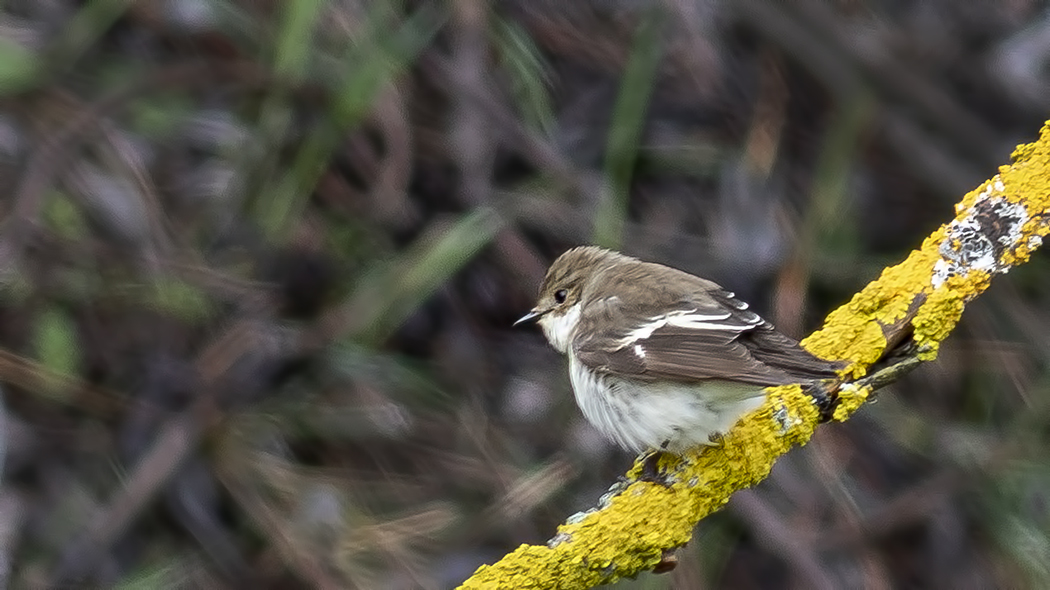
(258, 263)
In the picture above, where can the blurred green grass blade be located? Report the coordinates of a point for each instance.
(292, 53)
(93, 19)
(180, 299)
(380, 57)
(528, 73)
(158, 117)
(370, 66)
(403, 378)
(63, 217)
(389, 293)
(833, 172)
(295, 38)
(626, 127)
(21, 68)
(1029, 545)
(55, 345)
(407, 387)
(172, 573)
(698, 157)
(18, 67)
(1017, 524)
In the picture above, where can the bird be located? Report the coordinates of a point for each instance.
(660, 359)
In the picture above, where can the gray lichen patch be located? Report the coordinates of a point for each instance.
(785, 419)
(977, 241)
(559, 539)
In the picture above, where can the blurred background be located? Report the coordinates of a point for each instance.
(259, 261)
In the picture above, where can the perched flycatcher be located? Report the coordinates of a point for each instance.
(660, 358)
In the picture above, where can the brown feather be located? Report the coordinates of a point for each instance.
(745, 349)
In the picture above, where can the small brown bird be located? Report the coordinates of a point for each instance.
(659, 358)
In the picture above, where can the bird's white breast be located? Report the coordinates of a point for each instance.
(640, 415)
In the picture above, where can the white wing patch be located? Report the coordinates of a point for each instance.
(738, 304)
(687, 319)
(638, 350)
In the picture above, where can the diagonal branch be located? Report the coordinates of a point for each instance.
(914, 305)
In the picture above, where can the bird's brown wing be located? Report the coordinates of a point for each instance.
(703, 335)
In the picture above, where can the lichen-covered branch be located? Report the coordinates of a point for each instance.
(997, 226)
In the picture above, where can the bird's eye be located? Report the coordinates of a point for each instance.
(560, 295)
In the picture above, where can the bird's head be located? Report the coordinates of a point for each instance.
(558, 307)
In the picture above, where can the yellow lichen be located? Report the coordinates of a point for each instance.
(854, 332)
(942, 310)
(1028, 152)
(1022, 152)
(850, 399)
(1027, 179)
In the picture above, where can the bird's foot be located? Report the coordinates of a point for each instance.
(651, 471)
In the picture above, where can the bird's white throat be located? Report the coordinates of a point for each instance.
(558, 328)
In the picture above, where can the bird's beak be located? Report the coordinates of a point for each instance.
(528, 318)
